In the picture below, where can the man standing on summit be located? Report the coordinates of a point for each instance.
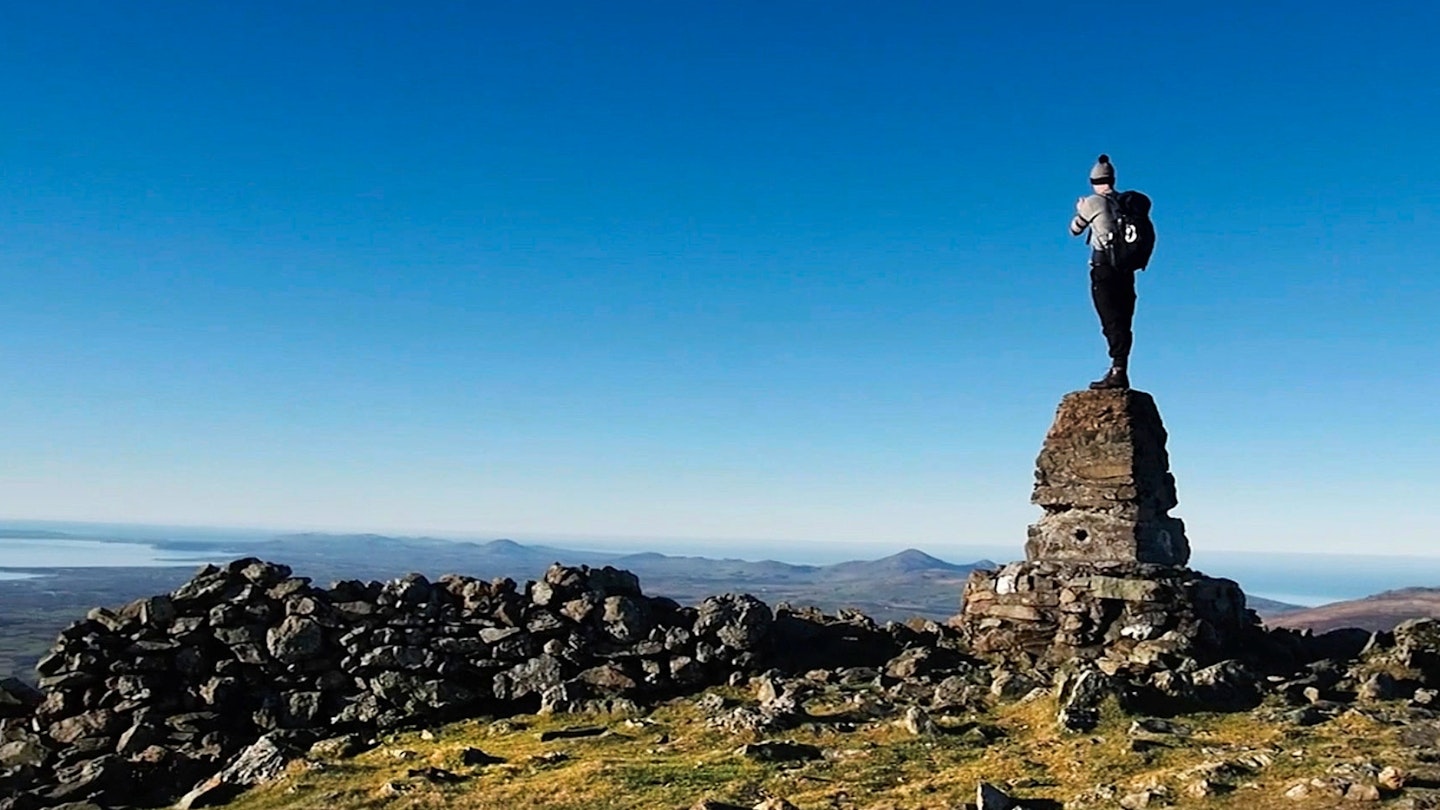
(1121, 239)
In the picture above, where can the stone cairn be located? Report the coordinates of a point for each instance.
(1104, 579)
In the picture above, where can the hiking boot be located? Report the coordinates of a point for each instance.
(1114, 378)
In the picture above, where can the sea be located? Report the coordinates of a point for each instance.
(45, 553)
(1318, 579)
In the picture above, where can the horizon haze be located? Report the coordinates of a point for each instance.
(1295, 578)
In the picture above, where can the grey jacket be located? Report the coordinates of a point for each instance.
(1094, 212)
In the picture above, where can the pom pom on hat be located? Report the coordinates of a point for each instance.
(1103, 171)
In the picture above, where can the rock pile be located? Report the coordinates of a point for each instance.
(142, 702)
(1125, 616)
(1401, 664)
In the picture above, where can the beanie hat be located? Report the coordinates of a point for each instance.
(1103, 171)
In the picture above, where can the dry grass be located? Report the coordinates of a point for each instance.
(673, 760)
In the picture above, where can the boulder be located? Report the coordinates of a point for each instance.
(917, 721)
(1147, 733)
(609, 678)
(609, 581)
(96, 723)
(626, 619)
(1361, 792)
(1080, 695)
(475, 758)
(1341, 644)
(136, 739)
(17, 698)
(22, 753)
(569, 696)
(258, 572)
(954, 691)
(1141, 799)
(89, 778)
(563, 579)
(1384, 686)
(921, 662)
(1391, 778)
(341, 747)
(1227, 686)
(989, 797)
(1007, 684)
(737, 621)
(296, 639)
(531, 677)
(1411, 652)
(261, 762)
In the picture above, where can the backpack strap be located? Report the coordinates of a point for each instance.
(1112, 205)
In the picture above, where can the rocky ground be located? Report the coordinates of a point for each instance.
(249, 686)
(852, 742)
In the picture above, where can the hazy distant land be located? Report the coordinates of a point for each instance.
(895, 587)
(1379, 612)
(909, 583)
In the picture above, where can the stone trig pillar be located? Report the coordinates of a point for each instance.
(1104, 577)
(1103, 479)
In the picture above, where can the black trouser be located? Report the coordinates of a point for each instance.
(1114, 294)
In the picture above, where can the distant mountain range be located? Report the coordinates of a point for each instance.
(904, 584)
(899, 586)
(1379, 612)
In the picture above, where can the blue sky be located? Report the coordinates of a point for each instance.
(791, 271)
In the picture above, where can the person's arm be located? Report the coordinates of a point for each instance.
(1080, 222)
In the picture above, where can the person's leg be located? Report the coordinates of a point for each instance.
(1120, 333)
(1113, 292)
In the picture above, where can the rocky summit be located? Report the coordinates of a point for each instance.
(1099, 672)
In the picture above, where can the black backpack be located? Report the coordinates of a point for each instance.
(1134, 232)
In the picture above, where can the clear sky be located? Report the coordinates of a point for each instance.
(790, 271)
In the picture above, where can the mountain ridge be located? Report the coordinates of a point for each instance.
(1380, 611)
